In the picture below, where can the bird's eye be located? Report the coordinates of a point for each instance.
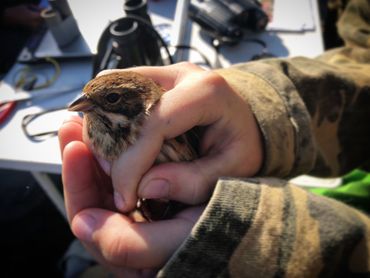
(112, 97)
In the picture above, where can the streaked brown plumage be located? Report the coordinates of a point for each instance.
(115, 106)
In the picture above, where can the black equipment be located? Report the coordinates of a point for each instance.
(130, 40)
(226, 19)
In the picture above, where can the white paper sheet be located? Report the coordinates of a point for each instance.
(292, 16)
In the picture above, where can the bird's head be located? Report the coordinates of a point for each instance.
(126, 93)
(115, 105)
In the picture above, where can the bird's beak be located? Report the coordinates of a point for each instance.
(82, 104)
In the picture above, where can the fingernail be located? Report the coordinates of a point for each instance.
(104, 164)
(85, 226)
(155, 189)
(72, 118)
(118, 201)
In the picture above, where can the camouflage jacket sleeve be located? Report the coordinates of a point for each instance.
(313, 113)
(267, 228)
(314, 117)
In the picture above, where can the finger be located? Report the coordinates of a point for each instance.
(178, 111)
(122, 242)
(117, 271)
(83, 182)
(193, 182)
(71, 130)
(166, 76)
(128, 169)
(184, 182)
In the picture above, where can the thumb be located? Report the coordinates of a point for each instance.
(193, 182)
(121, 242)
(184, 182)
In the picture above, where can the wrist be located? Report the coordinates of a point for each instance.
(282, 124)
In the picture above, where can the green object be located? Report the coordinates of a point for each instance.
(354, 191)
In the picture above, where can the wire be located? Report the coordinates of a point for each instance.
(42, 135)
(217, 44)
(56, 75)
(162, 29)
(150, 27)
(204, 57)
(26, 77)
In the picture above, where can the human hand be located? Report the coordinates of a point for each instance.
(125, 247)
(26, 16)
(231, 144)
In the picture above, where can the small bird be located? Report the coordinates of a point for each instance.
(116, 106)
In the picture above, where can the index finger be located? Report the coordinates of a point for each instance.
(166, 76)
(71, 130)
(84, 184)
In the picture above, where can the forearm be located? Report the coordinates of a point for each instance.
(266, 228)
(312, 113)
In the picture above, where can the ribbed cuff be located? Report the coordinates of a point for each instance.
(210, 246)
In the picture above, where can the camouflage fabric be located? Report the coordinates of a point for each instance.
(354, 24)
(322, 105)
(268, 228)
(314, 117)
